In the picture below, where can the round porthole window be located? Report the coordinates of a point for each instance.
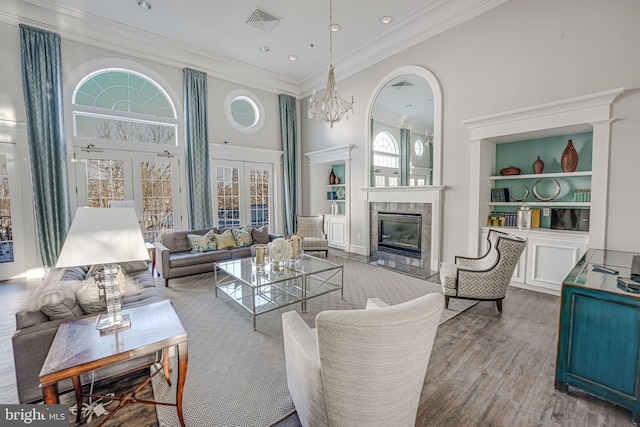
(244, 111)
(418, 147)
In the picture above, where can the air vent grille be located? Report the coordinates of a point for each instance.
(263, 20)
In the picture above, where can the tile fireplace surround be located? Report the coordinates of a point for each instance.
(424, 209)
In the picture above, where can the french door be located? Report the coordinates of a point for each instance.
(243, 192)
(12, 250)
(151, 180)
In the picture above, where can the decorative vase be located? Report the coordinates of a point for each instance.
(538, 166)
(337, 180)
(332, 178)
(569, 159)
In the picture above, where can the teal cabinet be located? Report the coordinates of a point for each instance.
(599, 334)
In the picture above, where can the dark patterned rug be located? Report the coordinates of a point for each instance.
(237, 375)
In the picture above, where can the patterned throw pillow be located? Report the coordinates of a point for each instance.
(202, 243)
(225, 240)
(242, 236)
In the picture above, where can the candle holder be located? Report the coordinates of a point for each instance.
(258, 256)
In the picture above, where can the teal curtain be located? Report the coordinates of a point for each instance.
(430, 181)
(41, 60)
(289, 135)
(197, 149)
(405, 156)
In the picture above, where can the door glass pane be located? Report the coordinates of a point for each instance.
(105, 182)
(6, 235)
(157, 199)
(259, 196)
(228, 195)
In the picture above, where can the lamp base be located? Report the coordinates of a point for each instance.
(105, 323)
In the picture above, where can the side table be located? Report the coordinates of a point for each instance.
(79, 347)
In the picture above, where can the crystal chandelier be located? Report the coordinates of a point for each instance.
(332, 107)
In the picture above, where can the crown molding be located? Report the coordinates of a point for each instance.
(98, 32)
(434, 18)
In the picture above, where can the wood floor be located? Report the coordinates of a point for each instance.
(486, 369)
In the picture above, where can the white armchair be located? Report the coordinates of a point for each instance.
(361, 367)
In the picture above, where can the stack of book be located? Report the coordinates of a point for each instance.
(502, 219)
(500, 195)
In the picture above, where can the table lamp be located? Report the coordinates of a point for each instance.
(101, 238)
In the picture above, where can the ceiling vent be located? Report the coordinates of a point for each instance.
(402, 84)
(263, 20)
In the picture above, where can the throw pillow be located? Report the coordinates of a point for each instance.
(60, 303)
(260, 235)
(242, 236)
(202, 243)
(225, 240)
(89, 297)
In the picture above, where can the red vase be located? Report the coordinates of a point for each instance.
(538, 166)
(569, 159)
(332, 178)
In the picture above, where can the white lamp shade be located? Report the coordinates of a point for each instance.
(103, 236)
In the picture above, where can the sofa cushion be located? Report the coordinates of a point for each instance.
(187, 259)
(60, 303)
(203, 243)
(260, 235)
(74, 273)
(88, 297)
(242, 236)
(225, 240)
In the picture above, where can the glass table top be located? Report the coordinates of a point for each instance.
(585, 276)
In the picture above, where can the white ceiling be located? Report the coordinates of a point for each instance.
(219, 29)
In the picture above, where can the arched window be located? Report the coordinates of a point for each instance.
(125, 137)
(122, 105)
(386, 160)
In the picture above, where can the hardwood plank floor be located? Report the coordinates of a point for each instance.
(486, 369)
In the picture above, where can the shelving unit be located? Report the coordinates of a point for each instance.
(322, 162)
(515, 136)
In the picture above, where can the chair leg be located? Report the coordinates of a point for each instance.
(166, 283)
(446, 302)
(499, 305)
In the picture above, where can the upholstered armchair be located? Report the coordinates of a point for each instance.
(311, 229)
(485, 278)
(361, 367)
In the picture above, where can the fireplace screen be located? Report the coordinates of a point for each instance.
(400, 233)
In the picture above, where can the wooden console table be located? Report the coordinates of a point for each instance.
(78, 347)
(599, 335)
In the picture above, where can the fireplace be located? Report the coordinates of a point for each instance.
(400, 234)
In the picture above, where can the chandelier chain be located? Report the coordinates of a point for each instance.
(332, 106)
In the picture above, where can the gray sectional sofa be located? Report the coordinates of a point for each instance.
(175, 258)
(60, 297)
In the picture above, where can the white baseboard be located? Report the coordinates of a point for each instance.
(536, 288)
(357, 249)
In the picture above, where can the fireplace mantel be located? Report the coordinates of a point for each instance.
(431, 194)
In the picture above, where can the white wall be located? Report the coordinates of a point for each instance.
(519, 54)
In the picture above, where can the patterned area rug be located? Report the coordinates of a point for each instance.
(236, 375)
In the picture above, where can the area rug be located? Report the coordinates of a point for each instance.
(236, 375)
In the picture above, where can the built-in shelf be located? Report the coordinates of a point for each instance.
(336, 185)
(541, 175)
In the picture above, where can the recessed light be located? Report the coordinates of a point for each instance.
(335, 27)
(144, 4)
(386, 19)
(293, 57)
(265, 49)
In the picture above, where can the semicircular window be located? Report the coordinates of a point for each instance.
(125, 106)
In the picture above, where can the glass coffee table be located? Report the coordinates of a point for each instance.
(261, 290)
